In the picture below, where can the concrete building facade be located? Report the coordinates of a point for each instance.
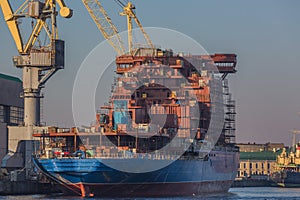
(258, 160)
(11, 109)
(254, 167)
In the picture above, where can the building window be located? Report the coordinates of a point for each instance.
(262, 165)
(250, 165)
(268, 166)
(244, 165)
(16, 115)
(2, 114)
(256, 165)
(11, 115)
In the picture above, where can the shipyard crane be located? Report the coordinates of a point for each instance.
(38, 62)
(109, 30)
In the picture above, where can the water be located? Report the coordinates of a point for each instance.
(260, 193)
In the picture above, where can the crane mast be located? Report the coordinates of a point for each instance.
(128, 11)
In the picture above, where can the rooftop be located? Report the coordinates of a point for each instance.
(264, 155)
(11, 78)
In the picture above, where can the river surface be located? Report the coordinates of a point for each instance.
(260, 193)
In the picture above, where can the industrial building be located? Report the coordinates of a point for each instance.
(11, 108)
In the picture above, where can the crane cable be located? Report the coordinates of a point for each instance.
(121, 4)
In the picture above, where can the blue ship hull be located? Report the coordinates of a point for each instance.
(182, 177)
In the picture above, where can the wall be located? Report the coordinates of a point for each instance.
(10, 90)
(3, 141)
(256, 167)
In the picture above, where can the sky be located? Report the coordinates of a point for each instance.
(263, 34)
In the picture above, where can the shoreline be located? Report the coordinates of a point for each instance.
(253, 183)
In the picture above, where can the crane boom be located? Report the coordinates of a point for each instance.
(34, 34)
(12, 24)
(105, 25)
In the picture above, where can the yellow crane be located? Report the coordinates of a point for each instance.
(109, 30)
(39, 62)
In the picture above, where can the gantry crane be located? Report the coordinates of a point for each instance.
(109, 30)
(39, 62)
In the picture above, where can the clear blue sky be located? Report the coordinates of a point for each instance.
(264, 35)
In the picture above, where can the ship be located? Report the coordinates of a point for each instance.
(168, 129)
(287, 173)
